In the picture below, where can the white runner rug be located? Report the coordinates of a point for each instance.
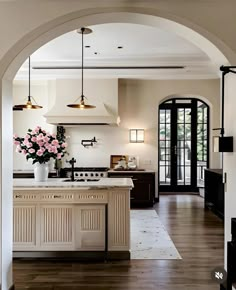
(149, 238)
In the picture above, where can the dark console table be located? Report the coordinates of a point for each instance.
(214, 191)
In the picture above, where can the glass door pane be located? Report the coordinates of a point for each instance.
(183, 147)
(165, 147)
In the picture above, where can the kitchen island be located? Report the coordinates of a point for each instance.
(80, 219)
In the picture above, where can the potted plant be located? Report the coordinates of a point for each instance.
(40, 146)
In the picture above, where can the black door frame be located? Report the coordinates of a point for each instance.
(173, 106)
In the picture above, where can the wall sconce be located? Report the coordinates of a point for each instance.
(136, 135)
(222, 144)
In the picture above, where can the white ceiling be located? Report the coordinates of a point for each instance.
(142, 46)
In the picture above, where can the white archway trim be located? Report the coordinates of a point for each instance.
(38, 37)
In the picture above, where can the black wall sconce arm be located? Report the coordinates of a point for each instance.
(90, 142)
(225, 70)
(222, 143)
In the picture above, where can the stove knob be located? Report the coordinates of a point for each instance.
(86, 174)
(81, 174)
(96, 174)
(102, 174)
(91, 174)
(76, 174)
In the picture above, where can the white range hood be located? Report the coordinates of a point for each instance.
(104, 95)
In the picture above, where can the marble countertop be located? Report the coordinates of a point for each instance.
(58, 182)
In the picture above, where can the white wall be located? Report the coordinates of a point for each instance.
(230, 158)
(29, 119)
(6, 196)
(138, 108)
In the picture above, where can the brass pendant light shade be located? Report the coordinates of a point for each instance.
(28, 104)
(81, 105)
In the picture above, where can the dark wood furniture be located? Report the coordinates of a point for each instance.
(143, 193)
(214, 191)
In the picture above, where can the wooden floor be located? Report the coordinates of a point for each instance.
(197, 234)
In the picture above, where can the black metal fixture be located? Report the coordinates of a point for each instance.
(72, 163)
(222, 143)
(28, 104)
(87, 143)
(81, 104)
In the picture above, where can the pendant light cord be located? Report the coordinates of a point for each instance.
(82, 86)
(29, 81)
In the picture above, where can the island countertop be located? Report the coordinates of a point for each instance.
(60, 183)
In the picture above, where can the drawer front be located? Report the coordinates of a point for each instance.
(57, 196)
(25, 196)
(92, 196)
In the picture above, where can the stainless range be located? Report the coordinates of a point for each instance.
(86, 172)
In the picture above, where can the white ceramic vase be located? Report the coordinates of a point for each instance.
(41, 171)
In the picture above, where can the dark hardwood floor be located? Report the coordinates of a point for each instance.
(197, 234)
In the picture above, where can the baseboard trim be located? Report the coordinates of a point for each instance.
(74, 255)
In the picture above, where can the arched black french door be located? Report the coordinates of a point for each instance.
(183, 144)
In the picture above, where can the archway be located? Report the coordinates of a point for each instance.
(40, 35)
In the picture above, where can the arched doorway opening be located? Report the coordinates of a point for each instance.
(27, 43)
(183, 144)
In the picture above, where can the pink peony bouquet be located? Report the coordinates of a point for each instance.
(40, 145)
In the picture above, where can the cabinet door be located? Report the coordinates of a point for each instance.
(56, 227)
(90, 227)
(24, 227)
(141, 191)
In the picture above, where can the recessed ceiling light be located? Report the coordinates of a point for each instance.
(119, 47)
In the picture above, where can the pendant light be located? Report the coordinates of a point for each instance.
(28, 104)
(81, 104)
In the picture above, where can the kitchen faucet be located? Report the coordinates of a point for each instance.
(72, 162)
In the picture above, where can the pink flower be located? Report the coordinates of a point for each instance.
(59, 155)
(54, 135)
(33, 139)
(27, 136)
(39, 153)
(24, 151)
(31, 150)
(29, 144)
(46, 139)
(64, 145)
(40, 136)
(54, 149)
(17, 142)
(18, 149)
(37, 129)
(55, 142)
(42, 149)
(40, 143)
(26, 141)
(15, 136)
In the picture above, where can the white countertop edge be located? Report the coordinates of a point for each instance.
(132, 171)
(103, 183)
